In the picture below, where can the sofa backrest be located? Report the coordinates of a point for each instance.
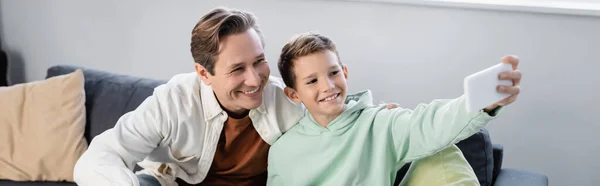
(108, 96)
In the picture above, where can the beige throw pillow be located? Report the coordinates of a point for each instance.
(41, 128)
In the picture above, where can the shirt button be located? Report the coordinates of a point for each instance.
(264, 133)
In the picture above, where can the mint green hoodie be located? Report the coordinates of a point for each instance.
(367, 144)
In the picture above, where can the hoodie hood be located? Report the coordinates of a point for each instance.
(355, 103)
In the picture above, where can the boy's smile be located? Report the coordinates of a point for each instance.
(320, 85)
(330, 98)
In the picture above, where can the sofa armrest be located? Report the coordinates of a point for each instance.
(498, 154)
(517, 177)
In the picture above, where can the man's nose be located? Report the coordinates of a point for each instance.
(252, 78)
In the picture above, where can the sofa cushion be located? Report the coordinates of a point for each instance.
(35, 183)
(108, 96)
(478, 151)
(447, 167)
(41, 128)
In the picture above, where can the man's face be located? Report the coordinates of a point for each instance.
(320, 83)
(240, 72)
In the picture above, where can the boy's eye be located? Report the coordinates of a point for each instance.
(335, 72)
(312, 81)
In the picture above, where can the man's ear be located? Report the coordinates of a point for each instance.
(203, 73)
(291, 93)
(345, 69)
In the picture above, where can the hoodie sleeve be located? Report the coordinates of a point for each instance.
(430, 128)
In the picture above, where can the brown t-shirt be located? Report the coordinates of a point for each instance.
(241, 156)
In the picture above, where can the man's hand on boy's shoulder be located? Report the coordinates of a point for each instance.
(515, 76)
(390, 106)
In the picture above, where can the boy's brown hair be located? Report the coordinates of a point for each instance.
(302, 45)
(216, 24)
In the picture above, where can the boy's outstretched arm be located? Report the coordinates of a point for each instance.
(431, 127)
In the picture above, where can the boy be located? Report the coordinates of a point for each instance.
(346, 140)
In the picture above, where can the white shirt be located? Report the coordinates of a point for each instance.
(175, 132)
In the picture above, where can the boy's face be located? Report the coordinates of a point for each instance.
(320, 83)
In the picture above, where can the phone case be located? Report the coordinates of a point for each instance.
(480, 88)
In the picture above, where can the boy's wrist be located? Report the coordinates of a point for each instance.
(492, 111)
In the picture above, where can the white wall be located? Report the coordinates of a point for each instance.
(405, 54)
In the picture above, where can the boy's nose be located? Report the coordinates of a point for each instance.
(327, 86)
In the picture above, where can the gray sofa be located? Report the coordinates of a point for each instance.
(110, 95)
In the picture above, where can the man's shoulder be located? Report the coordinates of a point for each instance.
(184, 80)
(286, 112)
(180, 86)
(276, 82)
(274, 87)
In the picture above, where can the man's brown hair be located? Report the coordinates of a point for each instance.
(216, 24)
(302, 45)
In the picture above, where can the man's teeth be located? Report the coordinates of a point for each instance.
(331, 98)
(251, 91)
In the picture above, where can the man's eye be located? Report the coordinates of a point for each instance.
(259, 61)
(311, 81)
(236, 70)
(335, 72)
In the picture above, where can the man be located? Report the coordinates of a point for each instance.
(214, 126)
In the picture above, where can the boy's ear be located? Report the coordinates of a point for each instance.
(345, 69)
(291, 93)
(203, 73)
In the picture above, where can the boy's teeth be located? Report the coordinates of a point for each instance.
(251, 91)
(331, 98)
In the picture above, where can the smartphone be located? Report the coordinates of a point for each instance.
(480, 89)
